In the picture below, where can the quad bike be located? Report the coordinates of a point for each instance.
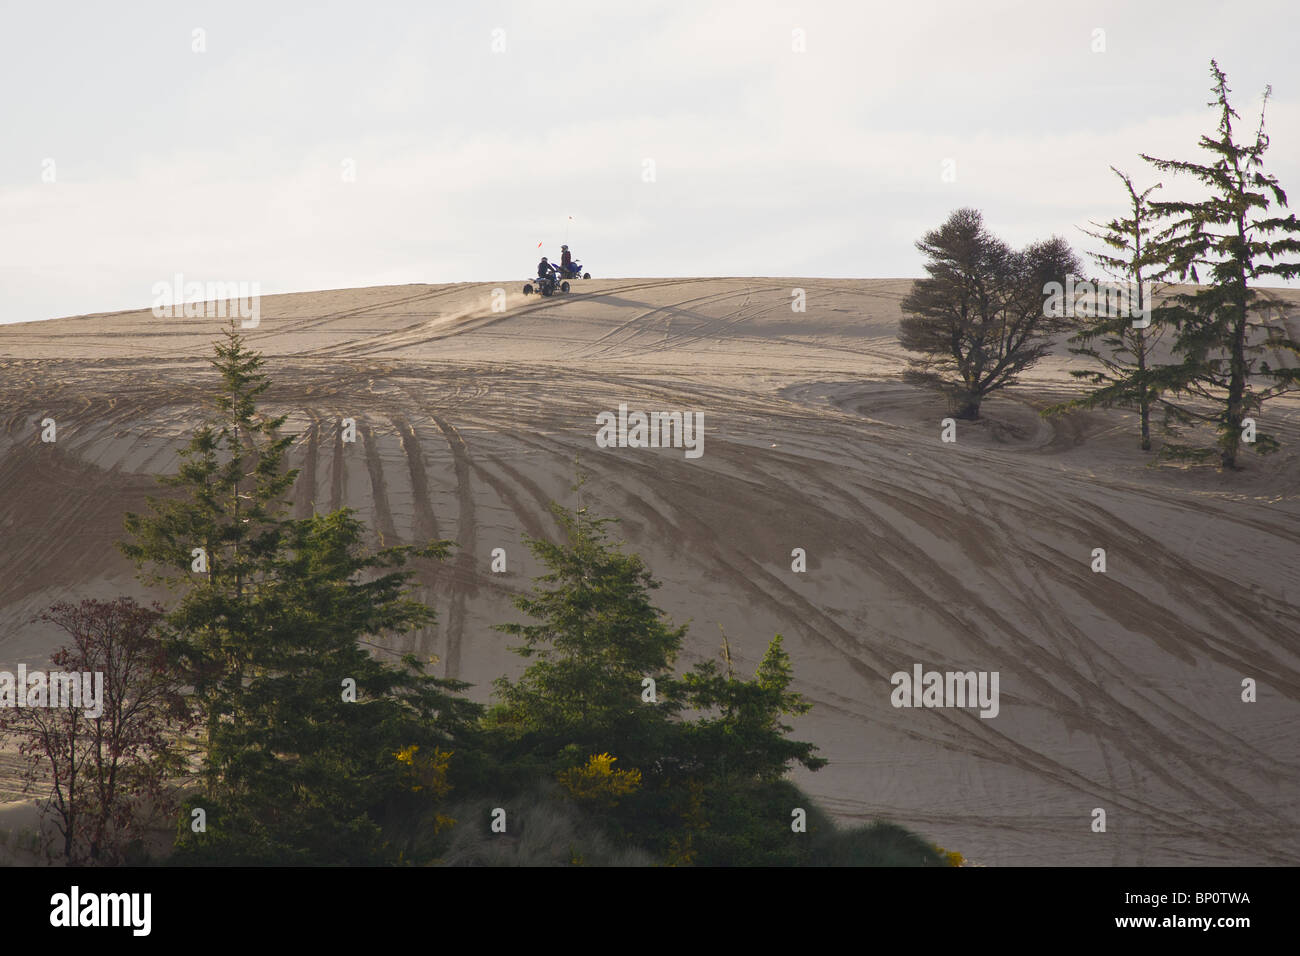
(575, 271)
(546, 285)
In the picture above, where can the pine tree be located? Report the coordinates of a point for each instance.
(1218, 330)
(1122, 344)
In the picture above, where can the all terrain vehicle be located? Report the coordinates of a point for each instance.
(546, 285)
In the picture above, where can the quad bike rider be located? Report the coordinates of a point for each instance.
(568, 268)
(547, 280)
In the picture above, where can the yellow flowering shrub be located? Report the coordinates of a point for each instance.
(598, 782)
(951, 857)
(428, 773)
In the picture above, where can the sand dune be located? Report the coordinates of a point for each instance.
(1118, 690)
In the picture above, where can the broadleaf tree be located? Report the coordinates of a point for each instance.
(105, 764)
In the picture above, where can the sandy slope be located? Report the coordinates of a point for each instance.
(1118, 690)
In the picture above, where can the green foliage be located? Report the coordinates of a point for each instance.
(740, 736)
(1220, 336)
(232, 485)
(296, 760)
(271, 640)
(704, 785)
(293, 771)
(1125, 375)
(978, 318)
(749, 825)
(596, 638)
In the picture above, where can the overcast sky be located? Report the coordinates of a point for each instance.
(232, 164)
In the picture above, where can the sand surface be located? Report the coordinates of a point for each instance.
(1119, 690)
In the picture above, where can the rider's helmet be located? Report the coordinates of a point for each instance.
(564, 247)
(543, 258)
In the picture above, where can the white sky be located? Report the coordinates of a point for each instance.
(227, 165)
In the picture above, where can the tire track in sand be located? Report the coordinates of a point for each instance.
(425, 528)
(467, 541)
(304, 489)
(378, 488)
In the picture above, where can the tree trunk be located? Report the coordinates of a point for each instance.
(1236, 385)
(1144, 402)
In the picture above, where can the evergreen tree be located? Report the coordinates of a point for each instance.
(732, 793)
(1219, 334)
(310, 757)
(689, 790)
(979, 317)
(597, 638)
(215, 541)
(740, 737)
(303, 726)
(1121, 344)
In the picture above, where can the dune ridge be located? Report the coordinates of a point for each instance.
(1118, 690)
